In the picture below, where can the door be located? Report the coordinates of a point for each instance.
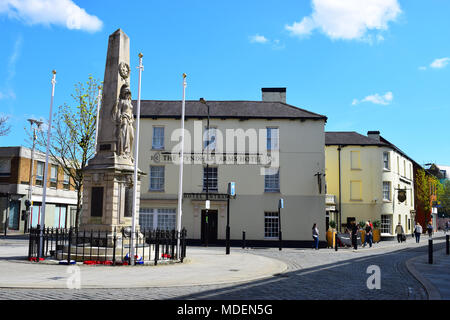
(209, 226)
(14, 215)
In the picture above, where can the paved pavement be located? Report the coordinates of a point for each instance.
(264, 273)
(435, 277)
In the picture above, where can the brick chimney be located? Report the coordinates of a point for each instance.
(274, 94)
(374, 135)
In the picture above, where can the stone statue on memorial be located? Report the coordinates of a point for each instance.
(123, 116)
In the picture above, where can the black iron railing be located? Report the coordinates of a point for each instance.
(110, 248)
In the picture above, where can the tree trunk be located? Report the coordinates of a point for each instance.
(77, 216)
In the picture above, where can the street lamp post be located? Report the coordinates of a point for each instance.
(207, 175)
(280, 206)
(30, 189)
(231, 192)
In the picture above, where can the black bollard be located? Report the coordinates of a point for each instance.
(447, 244)
(281, 241)
(430, 250)
(243, 239)
(227, 250)
(335, 242)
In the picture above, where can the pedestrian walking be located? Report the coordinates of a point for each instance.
(315, 234)
(430, 229)
(447, 225)
(355, 235)
(400, 233)
(417, 232)
(368, 237)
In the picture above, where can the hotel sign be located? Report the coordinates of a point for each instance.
(202, 196)
(213, 158)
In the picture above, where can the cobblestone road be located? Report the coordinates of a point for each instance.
(322, 274)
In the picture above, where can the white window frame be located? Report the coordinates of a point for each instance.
(273, 141)
(161, 184)
(213, 179)
(271, 180)
(158, 218)
(40, 173)
(390, 190)
(158, 139)
(271, 225)
(386, 224)
(66, 180)
(386, 161)
(210, 145)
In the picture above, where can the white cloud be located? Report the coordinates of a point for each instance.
(275, 44)
(258, 39)
(60, 12)
(376, 99)
(349, 19)
(422, 68)
(7, 92)
(440, 63)
(13, 58)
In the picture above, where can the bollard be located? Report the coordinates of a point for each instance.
(447, 244)
(430, 250)
(243, 239)
(335, 242)
(114, 247)
(227, 249)
(281, 241)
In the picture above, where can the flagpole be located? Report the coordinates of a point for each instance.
(98, 112)
(180, 181)
(136, 157)
(44, 193)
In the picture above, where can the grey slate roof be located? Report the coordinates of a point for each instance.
(350, 138)
(225, 109)
(353, 138)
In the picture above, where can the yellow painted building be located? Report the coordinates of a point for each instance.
(291, 137)
(366, 175)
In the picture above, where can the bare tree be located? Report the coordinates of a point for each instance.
(73, 135)
(4, 128)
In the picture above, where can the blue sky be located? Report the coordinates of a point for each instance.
(366, 65)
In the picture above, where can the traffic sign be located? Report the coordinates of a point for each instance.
(232, 188)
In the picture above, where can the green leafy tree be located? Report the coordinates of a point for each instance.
(73, 135)
(422, 186)
(444, 197)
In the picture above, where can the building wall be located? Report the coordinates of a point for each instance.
(301, 157)
(15, 185)
(362, 184)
